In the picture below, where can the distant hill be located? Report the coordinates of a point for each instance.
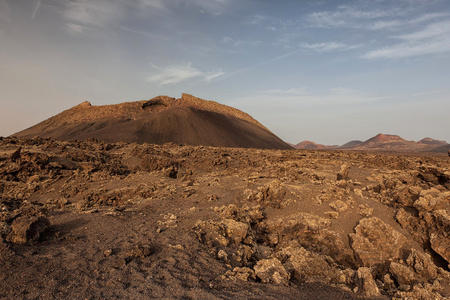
(384, 142)
(432, 142)
(188, 120)
(351, 144)
(310, 145)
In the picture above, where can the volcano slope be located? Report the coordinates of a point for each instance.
(89, 220)
(189, 120)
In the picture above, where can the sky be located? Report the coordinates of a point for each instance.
(325, 71)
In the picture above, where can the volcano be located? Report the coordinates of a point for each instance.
(188, 120)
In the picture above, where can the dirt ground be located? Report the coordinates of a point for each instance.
(90, 220)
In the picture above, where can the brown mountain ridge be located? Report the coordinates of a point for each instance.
(384, 142)
(188, 120)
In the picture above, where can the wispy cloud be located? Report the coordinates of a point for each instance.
(346, 16)
(328, 46)
(435, 30)
(378, 16)
(240, 43)
(434, 39)
(213, 75)
(213, 7)
(36, 8)
(174, 74)
(397, 23)
(83, 15)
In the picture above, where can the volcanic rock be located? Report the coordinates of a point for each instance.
(271, 270)
(375, 242)
(402, 274)
(28, 229)
(366, 283)
(308, 266)
(422, 265)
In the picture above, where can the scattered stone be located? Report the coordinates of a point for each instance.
(402, 274)
(221, 233)
(343, 172)
(235, 231)
(222, 255)
(375, 242)
(440, 242)
(422, 264)
(16, 154)
(308, 266)
(366, 284)
(243, 274)
(332, 214)
(187, 193)
(26, 229)
(338, 205)
(271, 270)
(270, 195)
(440, 238)
(365, 210)
(139, 251)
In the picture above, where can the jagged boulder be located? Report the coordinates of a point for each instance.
(402, 274)
(307, 266)
(375, 242)
(216, 233)
(271, 270)
(272, 194)
(309, 231)
(440, 239)
(26, 229)
(366, 284)
(422, 264)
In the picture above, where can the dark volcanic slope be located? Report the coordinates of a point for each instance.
(188, 120)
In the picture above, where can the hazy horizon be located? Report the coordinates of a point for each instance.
(325, 71)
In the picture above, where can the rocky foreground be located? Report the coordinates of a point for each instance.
(91, 220)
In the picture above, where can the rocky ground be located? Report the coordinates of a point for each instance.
(89, 220)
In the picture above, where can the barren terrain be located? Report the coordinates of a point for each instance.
(89, 220)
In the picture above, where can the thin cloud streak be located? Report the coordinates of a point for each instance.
(36, 8)
(329, 46)
(375, 19)
(82, 15)
(346, 16)
(434, 39)
(174, 74)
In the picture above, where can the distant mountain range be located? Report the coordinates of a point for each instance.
(383, 142)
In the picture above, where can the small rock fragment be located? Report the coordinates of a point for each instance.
(271, 270)
(338, 205)
(402, 274)
(343, 172)
(28, 229)
(366, 283)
